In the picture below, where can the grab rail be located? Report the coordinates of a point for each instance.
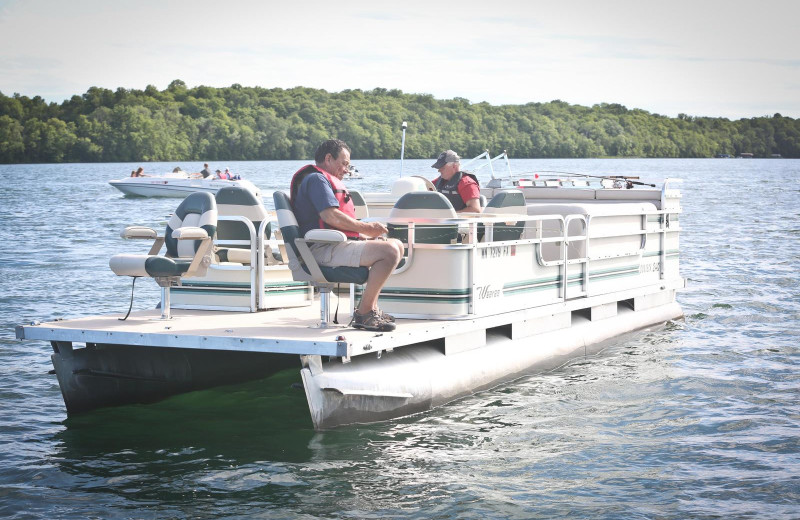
(254, 247)
(561, 236)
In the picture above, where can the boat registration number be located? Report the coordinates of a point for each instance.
(498, 252)
(649, 268)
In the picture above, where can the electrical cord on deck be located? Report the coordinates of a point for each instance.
(131, 305)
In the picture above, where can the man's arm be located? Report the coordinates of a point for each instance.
(473, 206)
(336, 219)
(471, 195)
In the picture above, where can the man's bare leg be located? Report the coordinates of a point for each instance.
(381, 256)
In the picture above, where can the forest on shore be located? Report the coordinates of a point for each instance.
(253, 123)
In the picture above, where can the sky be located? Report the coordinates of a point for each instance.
(732, 58)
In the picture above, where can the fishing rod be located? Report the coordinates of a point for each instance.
(608, 177)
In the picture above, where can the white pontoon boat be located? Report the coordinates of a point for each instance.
(177, 184)
(547, 273)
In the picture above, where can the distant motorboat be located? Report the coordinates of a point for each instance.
(177, 184)
(352, 173)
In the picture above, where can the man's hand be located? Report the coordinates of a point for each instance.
(373, 229)
(338, 220)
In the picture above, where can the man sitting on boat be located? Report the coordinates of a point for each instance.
(205, 173)
(460, 188)
(320, 200)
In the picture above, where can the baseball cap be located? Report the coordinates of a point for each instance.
(445, 157)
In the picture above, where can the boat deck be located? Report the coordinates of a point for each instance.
(292, 330)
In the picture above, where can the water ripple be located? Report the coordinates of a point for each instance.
(700, 420)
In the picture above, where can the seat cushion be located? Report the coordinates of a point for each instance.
(356, 275)
(148, 265)
(235, 255)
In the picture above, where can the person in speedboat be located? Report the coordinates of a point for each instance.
(139, 173)
(460, 188)
(205, 173)
(227, 175)
(231, 175)
(320, 200)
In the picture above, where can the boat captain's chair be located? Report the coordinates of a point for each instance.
(302, 263)
(237, 208)
(424, 204)
(188, 238)
(507, 202)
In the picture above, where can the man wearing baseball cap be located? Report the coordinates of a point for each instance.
(460, 188)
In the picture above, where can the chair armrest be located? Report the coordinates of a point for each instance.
(308, 259)
(139, 232)
(190, 233)
(325, 235)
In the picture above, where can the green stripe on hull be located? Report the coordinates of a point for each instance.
(209, 292)
(270, 290)
(426, 299)
(443, 296)
(224, 285)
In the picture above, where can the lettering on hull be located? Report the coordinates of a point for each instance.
(484, 292)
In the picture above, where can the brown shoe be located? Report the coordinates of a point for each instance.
(371, 321)
(385, 316)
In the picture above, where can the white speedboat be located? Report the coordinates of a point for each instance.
(352, 174)
(177, 185)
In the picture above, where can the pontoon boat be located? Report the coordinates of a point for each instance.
(547, 273)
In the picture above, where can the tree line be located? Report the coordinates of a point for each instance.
(253, 123)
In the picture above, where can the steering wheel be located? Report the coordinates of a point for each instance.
(428, 184)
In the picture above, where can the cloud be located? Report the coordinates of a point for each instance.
(692, 57)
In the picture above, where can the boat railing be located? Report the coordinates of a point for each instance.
(260, 257)
(489, 162)
(572, 236)
(252, 245)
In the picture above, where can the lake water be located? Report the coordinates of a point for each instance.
(701, 420)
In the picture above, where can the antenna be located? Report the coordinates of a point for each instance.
(403, 146)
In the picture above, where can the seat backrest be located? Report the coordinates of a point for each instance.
(360, 204)
(508, 201)
(290, 229)
(234, 201)
(196, 210)
(424, 204)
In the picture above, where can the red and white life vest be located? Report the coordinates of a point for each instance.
(346, 205)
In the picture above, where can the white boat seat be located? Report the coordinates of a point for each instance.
(507, 202)
(233, 201)
(302, 263)
(362, 211)
(424, 204)
(188, 238)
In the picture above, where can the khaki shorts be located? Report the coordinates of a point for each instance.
(340, 254)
